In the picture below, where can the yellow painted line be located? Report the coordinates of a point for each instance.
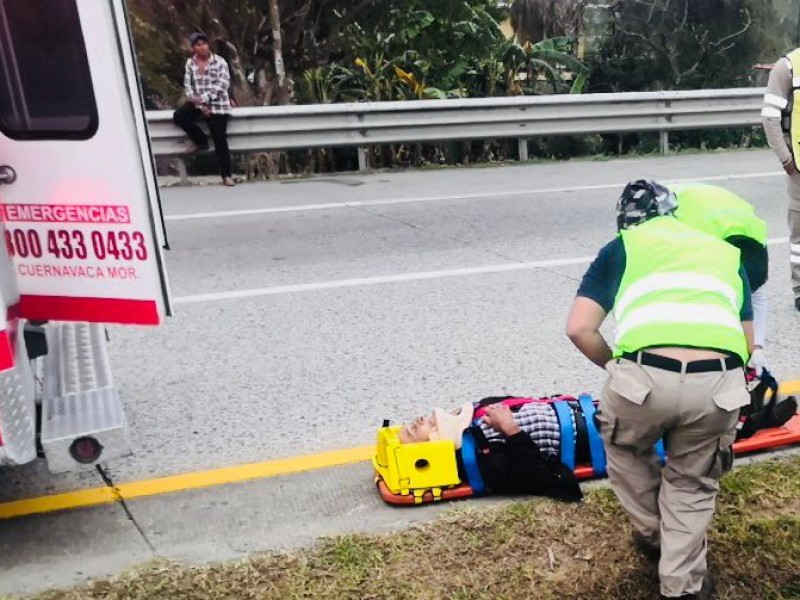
(187, 481)
(45, 504)
(790, 387)
(270, 468)
(209, 478)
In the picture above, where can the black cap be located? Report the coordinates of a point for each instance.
(196, 37)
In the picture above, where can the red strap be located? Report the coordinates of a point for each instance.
(513, 403)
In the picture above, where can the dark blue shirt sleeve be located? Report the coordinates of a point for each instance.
(602, 279)
(746, 314)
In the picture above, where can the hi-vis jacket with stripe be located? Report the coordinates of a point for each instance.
(794, 126)
(681, 287)
(718, 212)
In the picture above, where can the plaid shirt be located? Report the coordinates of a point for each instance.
(212, 86)
(539, 421)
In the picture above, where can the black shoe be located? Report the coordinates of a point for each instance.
(774, 415)
(782, 412)
(645, 547)
(797, 303)
(705, 593)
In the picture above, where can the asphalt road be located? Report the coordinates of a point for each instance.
(308, 311)
(301, 323)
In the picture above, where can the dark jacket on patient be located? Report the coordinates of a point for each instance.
(517, 466)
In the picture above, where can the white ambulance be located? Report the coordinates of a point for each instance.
(82, 226)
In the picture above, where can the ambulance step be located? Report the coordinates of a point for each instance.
(83, 420)
(17, 411)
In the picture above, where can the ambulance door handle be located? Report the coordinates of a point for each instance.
(7, 175)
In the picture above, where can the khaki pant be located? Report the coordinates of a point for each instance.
(696, 414)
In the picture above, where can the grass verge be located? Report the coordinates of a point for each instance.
(524, 549)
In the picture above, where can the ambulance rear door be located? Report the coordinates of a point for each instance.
(79, 199)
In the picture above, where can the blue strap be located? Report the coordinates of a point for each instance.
(661, 453)
(469, 451)
(564, 413)
(596, 449)
(769, 380)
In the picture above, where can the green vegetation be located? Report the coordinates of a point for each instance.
(523, 549)
(338, 51)
(419, 49)
(376, 50)
(680, 44)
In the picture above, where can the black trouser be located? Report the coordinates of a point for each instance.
(186, 118)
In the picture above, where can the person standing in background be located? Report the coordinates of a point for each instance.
(776, 117)
(206, 84)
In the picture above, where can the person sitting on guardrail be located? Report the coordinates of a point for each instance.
(206, 83)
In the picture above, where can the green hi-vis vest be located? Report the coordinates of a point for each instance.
(681, 287)
(718, 212)
(794, 130)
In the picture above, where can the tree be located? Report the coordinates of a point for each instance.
(241, 31)
(350, 50)
(536, 20)
(277, 52)
(682, 44)
(452, 48)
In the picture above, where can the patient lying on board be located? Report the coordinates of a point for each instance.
(511, 460)
(518, 452)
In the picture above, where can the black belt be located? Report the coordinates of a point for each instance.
(582, 453)
(696, 366)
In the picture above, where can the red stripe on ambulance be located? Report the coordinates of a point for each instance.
(95, 310)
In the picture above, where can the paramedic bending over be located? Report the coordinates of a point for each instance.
(721, 213)
(683, 332)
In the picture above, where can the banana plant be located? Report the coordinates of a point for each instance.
(553, 56)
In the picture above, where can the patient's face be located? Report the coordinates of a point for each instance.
(419, 430)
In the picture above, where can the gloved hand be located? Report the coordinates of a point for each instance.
(758, 361)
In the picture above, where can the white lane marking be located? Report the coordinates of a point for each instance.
(477, 196)
(364, 281)
(397, 278)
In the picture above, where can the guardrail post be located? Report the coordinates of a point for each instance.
(522, 145)
(180, 165)
(363, 159)
(663, 141)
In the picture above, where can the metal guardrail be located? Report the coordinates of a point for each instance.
(522, 117)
